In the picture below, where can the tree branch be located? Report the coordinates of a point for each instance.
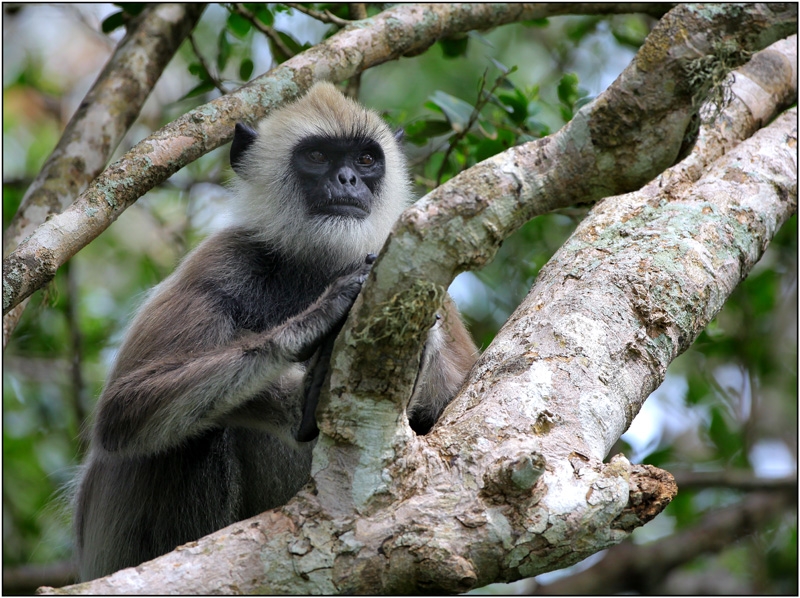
(101, 121)
(635, 568)
(399, 31)
(631, 288)
(461, 224)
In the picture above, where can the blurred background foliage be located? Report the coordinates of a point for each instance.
(728, 404)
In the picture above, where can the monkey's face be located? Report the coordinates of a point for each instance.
(338, 176)
(322, 178)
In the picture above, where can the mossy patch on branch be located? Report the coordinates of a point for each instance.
(404, 316)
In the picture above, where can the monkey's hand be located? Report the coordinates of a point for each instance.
(327, 314)
(318, 368)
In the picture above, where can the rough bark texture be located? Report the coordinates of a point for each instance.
(101, 121)
(461, 224)
(511, 483)
(403, 30)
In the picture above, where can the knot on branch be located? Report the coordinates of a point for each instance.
(448, 573)
(651, 490)
(513, 476)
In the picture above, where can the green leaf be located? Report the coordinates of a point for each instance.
(199, 71)
(202, 88)
(490, 147)
(457, 111)
(453, 47)
(518, 104)
(579, 28)
(132, 8)
(434, 107)
(728, 442)
(265, 15)
(238, 25)
(294, 46)
(113, 22)
(246, 69)
(536, 23)
(568, 89)
(630, 30)
(224, 50)
(420, 131)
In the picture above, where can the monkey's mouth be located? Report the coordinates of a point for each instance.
(341, 207)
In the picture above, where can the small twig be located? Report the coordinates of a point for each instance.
(217, 83)
(483, 100)
(271, 33)
(326, 16)
(76, 366)
(358, 11)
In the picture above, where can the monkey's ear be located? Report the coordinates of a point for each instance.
(243, 138)
(399, 134)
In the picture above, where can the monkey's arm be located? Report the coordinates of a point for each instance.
(167, 398)
(448, 355)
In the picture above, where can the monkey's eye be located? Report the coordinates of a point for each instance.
(317, 156)
(366, 159)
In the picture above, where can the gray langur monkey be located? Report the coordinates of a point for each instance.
(207, 416)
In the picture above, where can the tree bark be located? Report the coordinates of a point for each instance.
(400, 31)
(461, 224)
(511, 482)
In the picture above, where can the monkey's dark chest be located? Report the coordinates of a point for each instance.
(262, 293)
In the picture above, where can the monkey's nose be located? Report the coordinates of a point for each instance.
(347, 176)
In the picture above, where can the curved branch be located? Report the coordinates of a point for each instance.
(399, 31)
(461, 224)
(518, 445)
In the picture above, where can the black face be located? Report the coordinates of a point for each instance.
(339, 176)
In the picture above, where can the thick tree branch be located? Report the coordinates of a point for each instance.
(461, 224)
(101, 121)
(636, 283)
(630, 289)
(399, 31)
(641, 569)
(523, 443)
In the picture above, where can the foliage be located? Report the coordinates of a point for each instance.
(739, 378)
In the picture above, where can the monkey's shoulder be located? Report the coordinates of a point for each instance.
(237, 275)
